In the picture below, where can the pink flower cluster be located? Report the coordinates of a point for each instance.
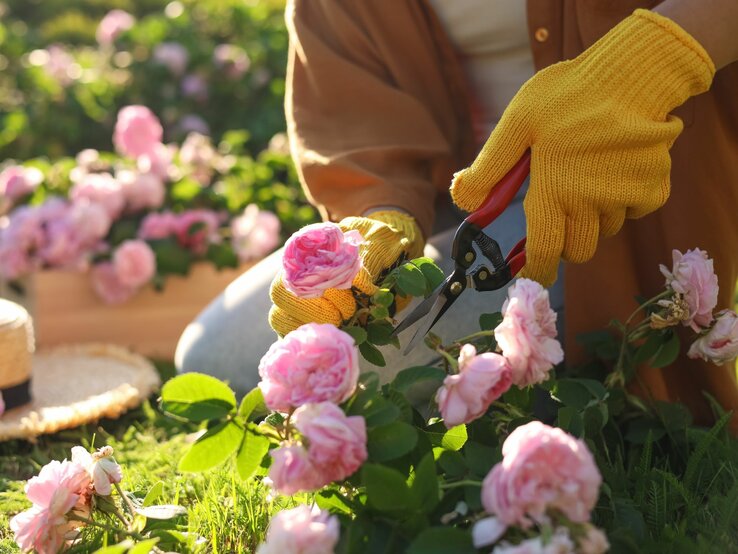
(193, 229)
(313, 369)
(255, 233)
(692, 275)
(17, 181)
(336, 448)
(560, 541)
(112, 26)
(543, 469)
(132, 266)
(232, 60)
(320, 257)
(301, 530)
(59, 490)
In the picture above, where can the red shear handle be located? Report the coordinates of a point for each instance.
(516, 258)
(502, 193)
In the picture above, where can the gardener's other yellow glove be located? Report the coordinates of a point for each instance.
(388, 235)
(599, 130)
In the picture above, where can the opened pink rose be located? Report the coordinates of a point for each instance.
(255, 233)
(102, 469)
(103, 189)
(141, 190)
(158, 226)
(173, 55)
(292, 470)
(527, 334)
(720, 344)
(320, 257)
(137, 131)
(481, 380)
(196, 229)
(17, 181)
(134, 262)
(113, 25)
(108, 286)
(692, 275)
(543, 468)
(336, 442)
(301, 530)
(313, 363)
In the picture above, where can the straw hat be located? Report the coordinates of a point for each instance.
(66, 386)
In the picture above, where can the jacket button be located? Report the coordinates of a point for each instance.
(541, 34)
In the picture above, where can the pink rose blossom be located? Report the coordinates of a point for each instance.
(159, 162)
(196, 229)
(137, 131)
(542, 468)
(487, 531)
(232, 60)
(195, 86)
(172, 55)
(112, 26)
(559, 543)
(720, 344)
(481, 380)
(313, 363)
(103, 189)
(58, 64)
(141, 190)
(692, 275)
(292, 471)
(527, 334)
(336, 442)
(73, 232)
(593, 542)
(54, 492)
(157, 226)
(134, 263)
(320, 257)
(255, 233)
(301, 530)
(108, 286)
(102, 469)
(17, 181)
(197, 151)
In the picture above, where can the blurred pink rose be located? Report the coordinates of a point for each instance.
(21, 236)
(172, 55)
(73, 232)
(108, 286)
(467, 395)
(301, 530)
(103, 189)
(141, 190)
(693, 276)
(542, 468)
(196, 229)
(54, 492)
(192, 123)
(157, 226)
(255, 233)
(17, 181)
(159, 162)
(102, 469)
(2, 404)
(558, 543)
(292, 471)
(313, 363)
(137, 131)
(112, 26)
(134, 263)
(593, 542)
(197, 152)
(527, 334)
(57, 63)
(232, 60)
(320, 257)
(195, 86)
(720, 344)
(336, 442)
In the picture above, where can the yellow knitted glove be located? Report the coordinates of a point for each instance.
(387, 236)
(599, 131)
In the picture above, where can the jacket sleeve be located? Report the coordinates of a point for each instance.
(359, 136)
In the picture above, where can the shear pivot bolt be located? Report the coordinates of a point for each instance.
(469, 257)
(483, 275)
(455, 288)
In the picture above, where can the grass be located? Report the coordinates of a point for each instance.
(230, 515)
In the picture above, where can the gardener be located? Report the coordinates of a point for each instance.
(385, 100)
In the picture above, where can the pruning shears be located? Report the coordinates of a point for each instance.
(471, 272)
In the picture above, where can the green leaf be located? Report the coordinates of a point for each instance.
(574, 393)
(154, 493)
(383, 297)
(162, 512)
(667, 352)
(412, 375)
(357, 333)
(171, 258)
(372, 354)
(379, 312)
(250, 454)
(222, 255)
(411, 280)
(480, 458)
(569, 419)
(213, 448)
(451, 462)
(386, 489)
(450, 439)
(329, 500)
(185, 190)
(252, 405)
(391, 441)
(648, 349)
(442, 540)
(425, 484)
(197, 397)
(379, 411)
(433, 274)
(119, 548)
(380, 332)
(488, 322)
(143, 547)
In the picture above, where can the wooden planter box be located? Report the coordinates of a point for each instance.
(66, 310)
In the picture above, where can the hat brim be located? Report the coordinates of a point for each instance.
(77, 384)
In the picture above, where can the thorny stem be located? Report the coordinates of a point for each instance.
(93, 523)
(126, 500)
(659, 296)
(478, 334)
(448, 360)
(463, 483)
